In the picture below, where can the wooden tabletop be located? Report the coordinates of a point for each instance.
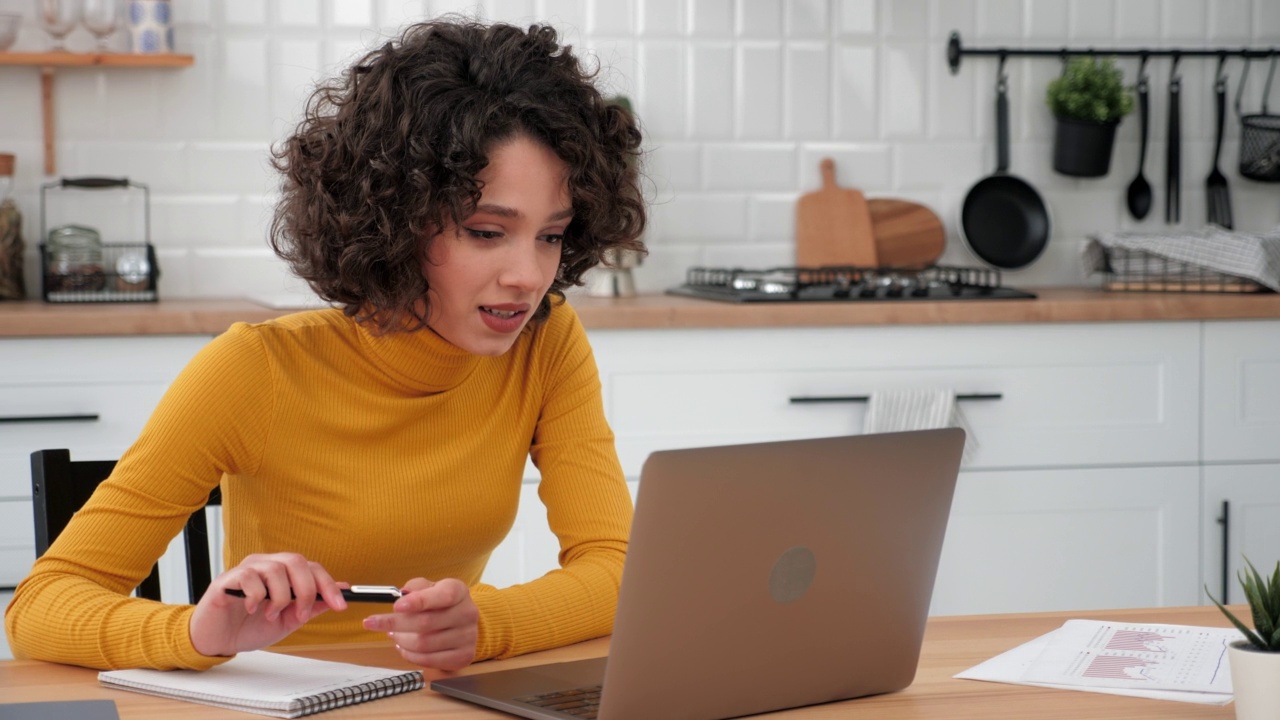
(33, 318)
(951, 644)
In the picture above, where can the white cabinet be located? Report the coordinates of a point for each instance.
(1242, 391)
(5, 652)
(1040, 540)
(1251, 494)
(1241, 451)
(91, 395)
(1069, 395)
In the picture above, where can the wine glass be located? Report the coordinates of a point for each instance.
(102, 17)
(58, 18)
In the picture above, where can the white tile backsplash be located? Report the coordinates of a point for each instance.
(808, 91)
(756, 166)
(711, 90)
(611, 17)
(663, 18)
(244, 12)
(298, 13)
(351, 13)
(739, 101)
(758, 91)
(760, 18)
(1185, 20)
(857, 17)
(711, 18)
(1092, 21)
(807, 18)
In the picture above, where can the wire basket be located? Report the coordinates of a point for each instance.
(1259, 134)
(120, 272)
(1139, 271)
(128, 273)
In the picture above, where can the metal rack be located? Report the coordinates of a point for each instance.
(956, 51)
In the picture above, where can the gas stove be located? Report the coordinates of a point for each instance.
(846, 284)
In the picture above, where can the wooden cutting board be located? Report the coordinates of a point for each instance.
(833, 225)
(907, 234)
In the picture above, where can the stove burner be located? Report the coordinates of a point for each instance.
(845, 283)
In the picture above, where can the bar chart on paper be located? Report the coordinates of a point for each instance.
(1165, 657)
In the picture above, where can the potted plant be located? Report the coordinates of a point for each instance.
(1255, 661)
(1088, 100)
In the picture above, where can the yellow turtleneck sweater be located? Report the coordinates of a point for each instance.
(383, 458)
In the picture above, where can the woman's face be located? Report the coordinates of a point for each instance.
(488, 275)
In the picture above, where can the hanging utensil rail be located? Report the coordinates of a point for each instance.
(956, 50)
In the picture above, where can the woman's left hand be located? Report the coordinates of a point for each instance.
(434, 625)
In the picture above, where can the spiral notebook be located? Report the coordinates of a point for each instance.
(269, 683)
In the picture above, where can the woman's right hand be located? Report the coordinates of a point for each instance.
(224, 624)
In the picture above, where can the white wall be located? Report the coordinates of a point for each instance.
(740, 99)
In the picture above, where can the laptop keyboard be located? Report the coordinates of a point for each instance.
(579, 702)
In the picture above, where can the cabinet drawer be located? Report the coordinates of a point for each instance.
(1242, 391)
(96, 359)
(1040, 540)
(121, 410)
(1070, 395)
(17, 541)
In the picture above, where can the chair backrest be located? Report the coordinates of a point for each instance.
(60, 486)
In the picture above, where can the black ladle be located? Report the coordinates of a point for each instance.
(1139, 194)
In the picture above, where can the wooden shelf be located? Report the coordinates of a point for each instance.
(48, 61)
(74, 59)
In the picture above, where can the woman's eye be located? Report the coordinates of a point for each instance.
(553, 239)
(483, 234)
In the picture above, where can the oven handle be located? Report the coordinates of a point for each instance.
(87, 417)
(864, 398)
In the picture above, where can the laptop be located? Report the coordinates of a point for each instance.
(759, 577)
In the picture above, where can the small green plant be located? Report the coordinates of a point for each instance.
(1090, 89)
(1263, 595)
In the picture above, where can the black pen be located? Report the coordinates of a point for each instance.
(357, 593)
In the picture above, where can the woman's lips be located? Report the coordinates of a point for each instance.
(504, 318)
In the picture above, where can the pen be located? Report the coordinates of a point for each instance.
(357, 593)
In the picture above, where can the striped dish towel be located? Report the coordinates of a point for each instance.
(1253, 256)
(914, 409)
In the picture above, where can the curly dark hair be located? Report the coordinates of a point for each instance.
(387, 154)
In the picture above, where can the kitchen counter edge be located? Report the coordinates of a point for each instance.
(33, 318)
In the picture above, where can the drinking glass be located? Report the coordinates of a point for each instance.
(102, 17)
(58, 18)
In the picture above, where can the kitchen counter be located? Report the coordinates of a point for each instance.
(34, 318)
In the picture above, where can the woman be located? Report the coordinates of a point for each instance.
(441, 194)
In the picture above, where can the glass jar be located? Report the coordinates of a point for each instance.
(75, 259)
(12, 285)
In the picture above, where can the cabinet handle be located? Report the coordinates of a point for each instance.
(8, 588)
(1225, 521)
(93, 417)
(865, 398)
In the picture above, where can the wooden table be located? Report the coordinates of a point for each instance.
(951, 644)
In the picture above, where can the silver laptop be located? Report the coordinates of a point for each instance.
(759, 577)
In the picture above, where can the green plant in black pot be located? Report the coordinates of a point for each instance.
(1088, 100)
(1255, 661)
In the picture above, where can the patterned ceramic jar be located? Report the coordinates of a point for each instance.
(151, 26)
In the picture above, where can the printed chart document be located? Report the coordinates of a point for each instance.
(1167, 662)
(269, 683)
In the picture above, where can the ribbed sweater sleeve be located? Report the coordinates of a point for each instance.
(74, 606)
(588, 508)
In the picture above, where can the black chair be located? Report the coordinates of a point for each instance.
(59, 487)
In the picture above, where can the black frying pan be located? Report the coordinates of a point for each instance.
(1003, 220)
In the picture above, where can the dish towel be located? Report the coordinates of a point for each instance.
(1253, 256)
(915, 409)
